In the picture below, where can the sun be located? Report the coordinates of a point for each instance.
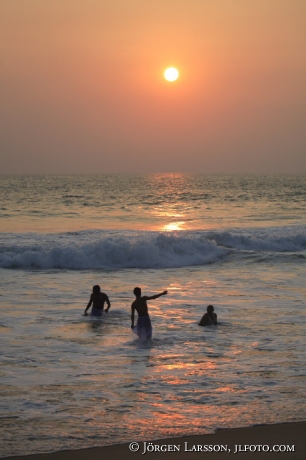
(171, 74)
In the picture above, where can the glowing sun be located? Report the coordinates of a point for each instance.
(171, 74)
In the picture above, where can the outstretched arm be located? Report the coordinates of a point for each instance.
(157, 295)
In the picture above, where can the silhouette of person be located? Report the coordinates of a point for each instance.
(97, 300)
(209, 318)
(143, 327)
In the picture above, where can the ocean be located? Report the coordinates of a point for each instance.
(236, 242)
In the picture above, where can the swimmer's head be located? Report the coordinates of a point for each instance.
(137, 292)
(96, 289)
(210, 309)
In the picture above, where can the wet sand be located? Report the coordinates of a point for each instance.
(288, 439)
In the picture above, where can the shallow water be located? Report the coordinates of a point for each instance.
(69, 381)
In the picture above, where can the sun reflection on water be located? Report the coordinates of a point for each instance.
(173, 226)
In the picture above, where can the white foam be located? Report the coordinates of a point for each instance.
(105, 250)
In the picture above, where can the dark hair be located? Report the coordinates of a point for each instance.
(210, 307)
(96, 289)
(137, 291)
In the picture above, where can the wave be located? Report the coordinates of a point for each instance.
(270, 242)
(115, 250)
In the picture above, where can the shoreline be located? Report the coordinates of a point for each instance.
(283, 440)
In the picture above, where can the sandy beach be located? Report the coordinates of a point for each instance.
(285, 441)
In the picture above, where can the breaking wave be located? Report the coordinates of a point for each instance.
(114, 250)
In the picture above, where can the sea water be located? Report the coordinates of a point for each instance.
(236, 242)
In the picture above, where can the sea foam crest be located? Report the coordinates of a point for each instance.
(90, 250)
(272, 242)
(102, 250)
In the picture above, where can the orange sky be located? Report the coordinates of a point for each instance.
(82, 87)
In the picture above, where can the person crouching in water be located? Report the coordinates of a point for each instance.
(97, 300)
(209, 318)
(143, 327)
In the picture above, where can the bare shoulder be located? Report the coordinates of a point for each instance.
(137, 302)
(204, 320)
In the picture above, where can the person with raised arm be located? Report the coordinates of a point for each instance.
(143, 327)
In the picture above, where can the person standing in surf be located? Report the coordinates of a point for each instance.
(97, 300)
(143, 327)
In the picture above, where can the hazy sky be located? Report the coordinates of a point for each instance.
(82, 86)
